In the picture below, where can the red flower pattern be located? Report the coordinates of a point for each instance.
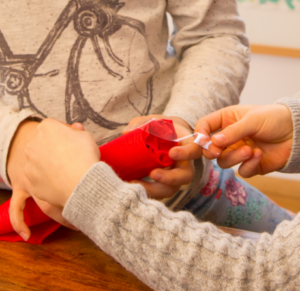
(235, 192)
(212, 183)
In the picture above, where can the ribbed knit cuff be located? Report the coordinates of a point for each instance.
(293, 104)
(99, 195)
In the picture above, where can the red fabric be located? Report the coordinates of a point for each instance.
(133, 156)
(40, 224)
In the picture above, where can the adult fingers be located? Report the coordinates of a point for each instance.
(157, 190)
(232, 157)
(182, 174)
(16, 215)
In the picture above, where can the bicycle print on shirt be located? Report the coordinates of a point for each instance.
(99, 55)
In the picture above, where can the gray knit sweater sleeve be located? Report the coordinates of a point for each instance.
(173, 251)
(293, 103)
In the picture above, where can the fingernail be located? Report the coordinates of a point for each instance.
(220, 137)
(206, 146)
(244, 154)
(130, 127)
(156, 177)
(24, 236)
(174, 155)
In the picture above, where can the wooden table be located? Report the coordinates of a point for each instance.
(67, 260)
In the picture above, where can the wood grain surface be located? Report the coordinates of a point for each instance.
(67, 260)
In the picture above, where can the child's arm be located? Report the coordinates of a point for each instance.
(210, 41)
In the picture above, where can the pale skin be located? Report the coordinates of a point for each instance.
(263, 135)
(258, 137)
(167, 181)
(19, 182)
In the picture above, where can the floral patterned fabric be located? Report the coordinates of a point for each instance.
(235, 192)
(229, 201)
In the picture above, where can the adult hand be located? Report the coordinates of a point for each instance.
(258, 137)
(57, 159)
(168, 181)
(20, 183)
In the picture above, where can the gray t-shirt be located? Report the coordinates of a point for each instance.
(104, 62)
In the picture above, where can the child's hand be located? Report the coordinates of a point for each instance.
(57, 158)
(53, 212)
(168, 181)
(259, 137)
(19, 182)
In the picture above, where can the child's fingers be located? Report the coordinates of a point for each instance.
(157, 190)
(230, 158)
(235, 132)
(53, 212)
(78, 126)
(182, 174)
(214, 151)
(189, 151)
(251, 167)
(210, 123)
(136, 122)
(16, 215)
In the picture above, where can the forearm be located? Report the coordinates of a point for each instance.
(173, 251)
(211, 76)
(214, 58)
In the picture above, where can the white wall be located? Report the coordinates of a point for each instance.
(272, 24)
(271, 78)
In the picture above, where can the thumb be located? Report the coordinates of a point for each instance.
(77, 126)
(16, 215)
(235, 132)
(136, 122)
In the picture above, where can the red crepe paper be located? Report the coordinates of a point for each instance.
(133, 156)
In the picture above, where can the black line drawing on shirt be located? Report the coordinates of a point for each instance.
(92, 20)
